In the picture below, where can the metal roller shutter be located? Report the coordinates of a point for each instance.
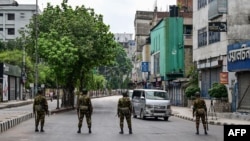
(244, 90)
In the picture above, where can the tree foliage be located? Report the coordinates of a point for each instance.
(191, 90)
(72, 42)
(218, 90)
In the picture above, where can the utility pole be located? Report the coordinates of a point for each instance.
(36, 49)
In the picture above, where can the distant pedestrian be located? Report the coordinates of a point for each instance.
(84, 108)
(40, 108)
(124, 110)
(200, 111)
(51, 96)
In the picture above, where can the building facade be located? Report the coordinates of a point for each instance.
(218, 25)
(14, 19)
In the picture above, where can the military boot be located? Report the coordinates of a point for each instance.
(197, 131)
(130, 131)
(36, 130)
(79, 130)
(121, 132)
(90, 130)
(41, 129)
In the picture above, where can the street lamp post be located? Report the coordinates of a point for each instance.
(36, 49)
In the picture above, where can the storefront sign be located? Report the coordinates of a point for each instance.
(224, 77)
(144, 66)
(238, 56)
(217, 26)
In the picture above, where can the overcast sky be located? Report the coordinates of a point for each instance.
(119, 14)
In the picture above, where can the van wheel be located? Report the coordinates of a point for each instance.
(141, 115)
(166, 118)
(134, 115)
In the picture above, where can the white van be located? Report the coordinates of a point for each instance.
(130, 92)
(151, 103)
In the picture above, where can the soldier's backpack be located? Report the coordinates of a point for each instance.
(40, 105)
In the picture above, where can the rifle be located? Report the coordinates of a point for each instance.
(206, 121)
(78, 113)
(47, 112)
(35, 116)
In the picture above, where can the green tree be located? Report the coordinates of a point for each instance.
(72, 42)
(218, 90)
(15, 57)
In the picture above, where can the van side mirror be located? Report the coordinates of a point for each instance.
(142, 98)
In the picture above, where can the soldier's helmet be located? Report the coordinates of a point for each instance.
(40, 91)
(84, 91)
(197, 94)
(125, 94)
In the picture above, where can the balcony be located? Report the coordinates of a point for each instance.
(188, 40)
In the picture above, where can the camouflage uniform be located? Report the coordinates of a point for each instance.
(40, 108)
(84, 108)
(124, 110)
(200, 109)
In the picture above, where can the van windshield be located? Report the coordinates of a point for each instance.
(154, 95)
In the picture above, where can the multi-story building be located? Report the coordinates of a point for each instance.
(14, 19)
(158, 74)
(126, 40)
(144, 21)
(220, 27)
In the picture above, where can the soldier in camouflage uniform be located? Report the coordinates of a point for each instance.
(84, 108)
(200, 110)
(40, 108)
(124, 109)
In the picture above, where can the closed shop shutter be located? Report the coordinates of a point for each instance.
(12, 88)
(209, 76)
(244, 90)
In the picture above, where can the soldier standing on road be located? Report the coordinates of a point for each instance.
(40, 108)
(200, 110)
(84, 108)
(124, 109)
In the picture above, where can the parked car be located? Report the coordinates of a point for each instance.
(151, 103)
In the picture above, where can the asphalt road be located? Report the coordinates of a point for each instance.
(105, 127)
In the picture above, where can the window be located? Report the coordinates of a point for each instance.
(11, 16)
(157, 63)
(1, 14)
(202, 37)
(22, 15)
(11, 31)
(213, 37)
(201, 3)
(1, 29)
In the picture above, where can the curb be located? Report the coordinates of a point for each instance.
(209, 122)
(4, 126)
(16, 104)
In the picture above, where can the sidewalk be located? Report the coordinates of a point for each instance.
(215, 119)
